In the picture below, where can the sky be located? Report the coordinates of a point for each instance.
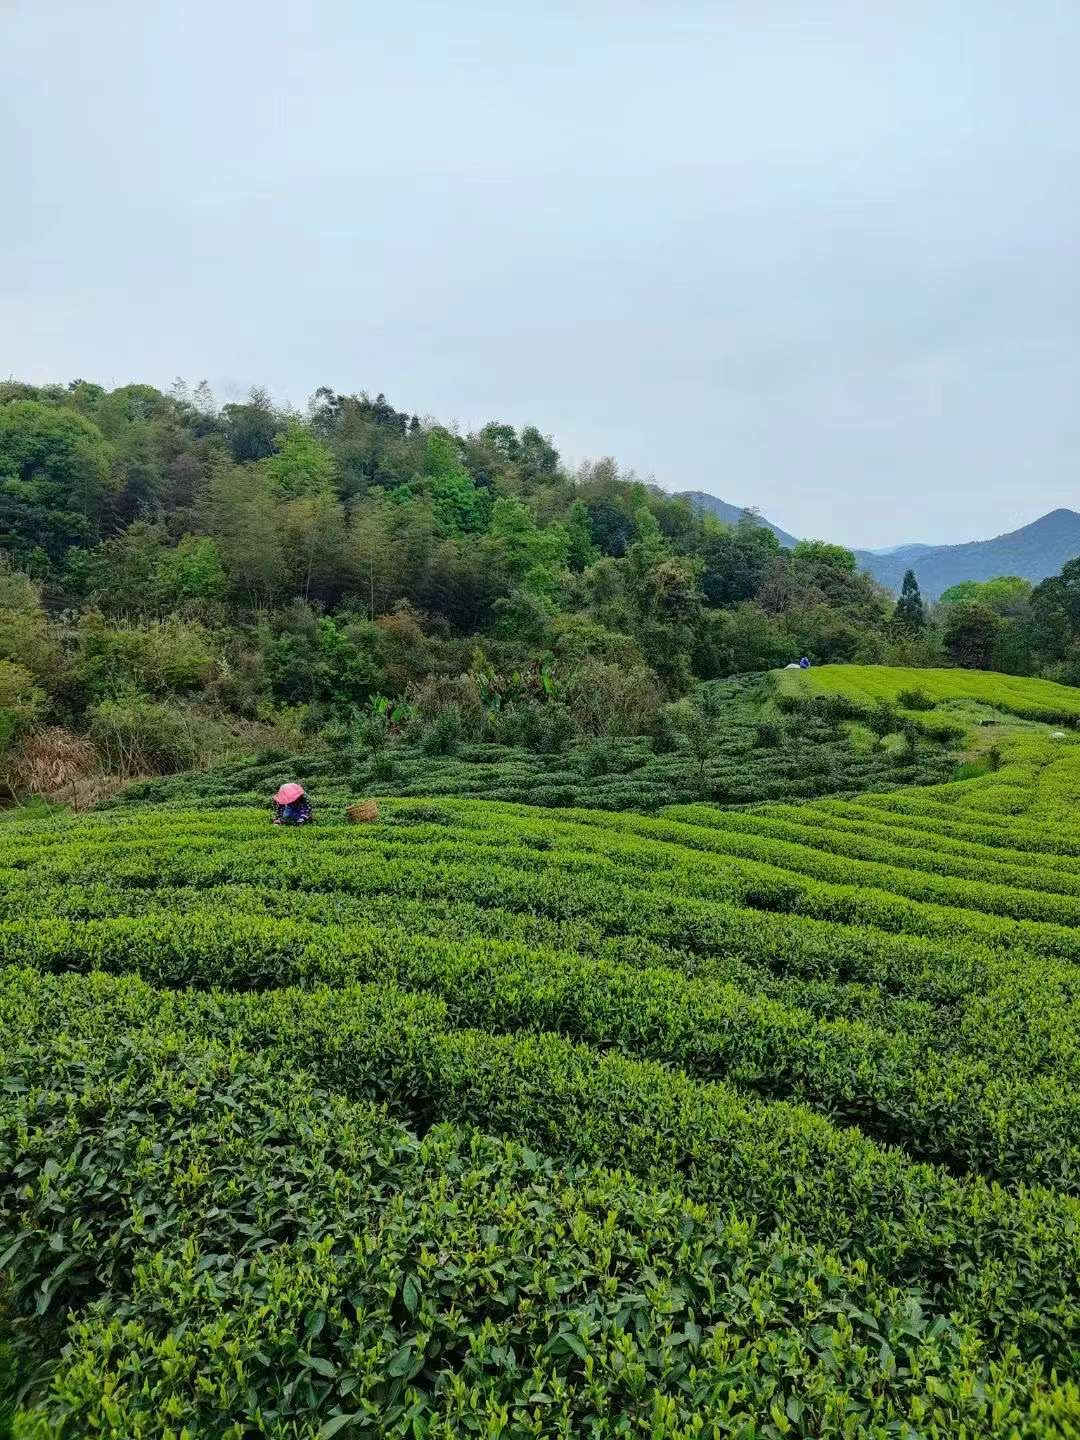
(817, 258)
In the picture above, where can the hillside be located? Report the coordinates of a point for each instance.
(488, 1120)
(183, 584)
(1028, 698)
(746, 752)
(1033, 552)
(732, 514)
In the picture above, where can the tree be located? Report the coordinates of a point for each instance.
(333, 663)
(26, 638)
(910, 613)
(735, 561)
(1055, 612)
(697, 731)
(533, 556)
(537, 458)
(139, 474)
(314, 540)
(21, 702)
(460, 505)
(54, 468)
(525, 616)
(301, 465)
(821, 559)
(119, 576)
(581, 552)
(611, 524)
(970, 634)
(240, 513)
(250, 429)
(193, 572)
(1008, 595)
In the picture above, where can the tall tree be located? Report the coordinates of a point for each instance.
(1055, 611)
(240, 511)
(301, 465)
(910, 612)
(252, 428)
(54, 468)
(970, 634)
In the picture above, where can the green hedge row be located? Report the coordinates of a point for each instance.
(501, 902)
(934, 1022)
(513, 857)
(960, 1111)
(226, 1250)
(810, 830)
(1006, 1262)
(911, 836)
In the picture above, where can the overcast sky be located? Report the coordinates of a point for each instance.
(817, 257)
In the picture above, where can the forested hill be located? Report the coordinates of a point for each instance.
(1033, 552)
(181, 579)
(733, 515)
(139, 505)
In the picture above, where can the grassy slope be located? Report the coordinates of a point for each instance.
(1028, 698)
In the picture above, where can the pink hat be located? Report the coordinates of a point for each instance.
(288, 794)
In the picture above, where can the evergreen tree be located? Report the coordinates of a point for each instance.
(910, 612)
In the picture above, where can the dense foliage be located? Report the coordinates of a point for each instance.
(733, 745)
(483, 1119)
(182, 582)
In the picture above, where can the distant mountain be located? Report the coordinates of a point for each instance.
(910, 552)
(1032, 552)
(732, 514)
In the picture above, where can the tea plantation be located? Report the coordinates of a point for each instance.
(1030, 698)
(486, 1119)
(755, 751)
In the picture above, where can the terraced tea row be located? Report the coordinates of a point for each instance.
(750, 757)
(970, 1112)
(485, 1119)
(303, 1261)
(557, 865)
(1031, 698)
(952, 1241)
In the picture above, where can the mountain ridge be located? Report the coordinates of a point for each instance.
(732, 514)
(1032, 551)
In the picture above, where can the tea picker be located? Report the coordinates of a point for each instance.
(291, 805)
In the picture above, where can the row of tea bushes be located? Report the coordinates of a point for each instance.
(247, 1254)
(959, 1110)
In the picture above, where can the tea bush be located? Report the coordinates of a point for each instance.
(490, 1119)
(862, 686)
(744, 755)
(346, 1278)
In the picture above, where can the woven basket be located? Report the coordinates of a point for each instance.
(362, 813)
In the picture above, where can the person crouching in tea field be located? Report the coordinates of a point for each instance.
(291, 806)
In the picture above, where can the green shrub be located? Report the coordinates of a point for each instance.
(384, 767)
(883, 719)
(136, 735)
(768, 735)
(265, 1285)
(443, 736)
(545, 728)
(597, 758)
(158, 659)
(914, 699)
